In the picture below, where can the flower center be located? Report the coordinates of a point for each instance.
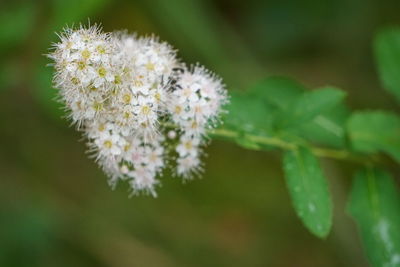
(146, 110)
(108, 144)
(127, 98)
(101, 49)
(102, 72)
(85, 54)
(150, 66)
(178, 109)
(188, 145)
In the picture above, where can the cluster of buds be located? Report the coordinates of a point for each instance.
(138, 105)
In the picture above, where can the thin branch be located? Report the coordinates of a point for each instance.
(339, 154)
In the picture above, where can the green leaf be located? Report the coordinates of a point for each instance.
(375, 131)
(277, 92)
(248, 115)
(260, 109)
(309, 105)
(308, 189)
(328, 128)
(375, 205)
(387, 53)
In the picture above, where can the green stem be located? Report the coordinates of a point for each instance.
(340, 154)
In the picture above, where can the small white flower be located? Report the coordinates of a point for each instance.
(133, 98)
(154, 157)
(144, 180)
(109, 144)
(137, 156)
(188, 146)
(188, 166)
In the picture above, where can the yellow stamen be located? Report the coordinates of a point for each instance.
(117, 79)
(157, 96)
(150, 66)
(81, 65)
(127, 115)
(102, 72)
(75, 80)
(108, 144)
(101, 49)
(145, 110)
(137, 83)
(85, 54)
(188, 145)
(127, 147)
(178, 109)
(127, 98)
(97, 106)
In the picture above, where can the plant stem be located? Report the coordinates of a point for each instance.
(340, 154)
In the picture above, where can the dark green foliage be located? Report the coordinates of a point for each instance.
(375, 131)
(308, 189)
(375, 205)
(387, 53)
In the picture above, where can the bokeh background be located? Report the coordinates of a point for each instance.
(56, 208)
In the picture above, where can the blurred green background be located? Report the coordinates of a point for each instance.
(56, 208)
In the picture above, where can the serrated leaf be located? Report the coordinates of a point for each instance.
(387, 53)
(375, 206)
(309, 105)
(375, 131)
(308, 189)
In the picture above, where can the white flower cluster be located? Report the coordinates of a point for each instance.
(136, 103)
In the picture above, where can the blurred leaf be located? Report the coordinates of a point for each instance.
(15, 23)
(387, 53)
(308, 189)
(375, 205)
(277, 100)
(74, 11)
(248, 114)
(375, 131)
(199, 26)
(254, 111)
(328, 128)
(308, 106)
(278, 92)
(26, 235)
(295, 22)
